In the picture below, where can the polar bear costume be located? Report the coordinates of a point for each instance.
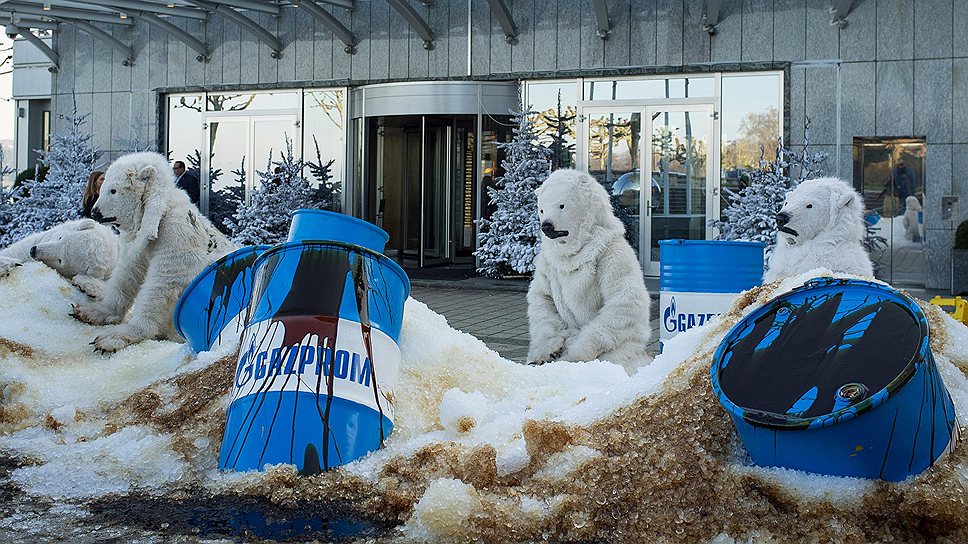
(588, 299)
(82, 251)
(912, 229)
(821, 225)
(166, 242)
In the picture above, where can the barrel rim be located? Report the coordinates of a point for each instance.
(201, 275)
(682, 241)
(342, 216)
(771, 420)
(383, 259)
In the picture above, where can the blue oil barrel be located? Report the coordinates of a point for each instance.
(323, 225)
(836, 377)
(211, 308)
(699, 279)
(319, 358)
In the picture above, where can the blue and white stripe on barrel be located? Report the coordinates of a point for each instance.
(319, 358)
(836, 377)
(211, 310)
(699, 279)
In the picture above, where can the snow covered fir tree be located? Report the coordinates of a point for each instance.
(509, 240)
(282, 189)
(329, 191)
(42, 203)
(223, 202)
(751, 213)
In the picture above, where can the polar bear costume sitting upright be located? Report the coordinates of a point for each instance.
(82, 251)
(588, 299)
(166, 243)
(821, 225)
(912, 229)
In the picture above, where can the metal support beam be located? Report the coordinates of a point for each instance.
(57, 12)
(601, 18)
(14, 30)
(175, 32)
(710, 16)
(348, 4)
(253, 5)
(500, 10)
(331, 22)
(839, 11)
(254, 28)
(28, 23)
(105, 37)
(415, 21)
(151, 7)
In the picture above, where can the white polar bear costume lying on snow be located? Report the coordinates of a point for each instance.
(82, 251)
(588, 299)
(821, 225)
(166, 243)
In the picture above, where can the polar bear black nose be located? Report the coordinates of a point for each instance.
(782, 219)
(33, 252)
(547, 228)
(96, 215)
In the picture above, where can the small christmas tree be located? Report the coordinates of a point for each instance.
(509, 240)
(57, 198)
(225, 201)
(562, 136)
(329, 191)
(282, 189)
(751, 213)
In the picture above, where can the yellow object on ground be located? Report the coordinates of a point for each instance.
(959, 305)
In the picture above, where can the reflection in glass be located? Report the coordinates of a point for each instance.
(323, 129)
(613, 159)
(889, 172)
(228, 171)
(680, 143)
(639, 89)
(556, 106)
(185, 129)
(750, 126)
(275, 100)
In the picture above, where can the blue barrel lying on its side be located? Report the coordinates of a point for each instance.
(319, 358)
(836, 377)
(211, 309)
(310, 224)
(699, 279)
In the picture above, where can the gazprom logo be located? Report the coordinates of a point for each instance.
(679, 322)
(302, 359)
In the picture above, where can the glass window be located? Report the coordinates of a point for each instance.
(613, 160)
(751, 124)
(324, 135)
(556, 106)
(640, 89)
(185, 130)
(275, 100)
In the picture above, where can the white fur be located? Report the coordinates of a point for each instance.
(912, 229)
(166, 243)
(588, 299)
(828, 215)
(82, 251)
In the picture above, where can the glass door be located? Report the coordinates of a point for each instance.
(684, 189)
(438, 158)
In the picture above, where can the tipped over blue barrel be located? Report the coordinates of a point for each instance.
(698, 279)
(319, 358)
(836, 377)
(211, 309)
(310, 224)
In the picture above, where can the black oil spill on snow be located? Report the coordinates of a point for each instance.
(222, 294)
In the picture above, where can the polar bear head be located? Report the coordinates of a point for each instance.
(573, 208)
(912, 203)
(134, 194)
(824, 207)
(81, 247)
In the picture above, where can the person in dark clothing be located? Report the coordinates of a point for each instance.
(93, 188)
(186, 181)
(904, 183)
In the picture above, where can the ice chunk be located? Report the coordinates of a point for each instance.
(443, 510)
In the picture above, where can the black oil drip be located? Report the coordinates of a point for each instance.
(361, 287)
(221, 294)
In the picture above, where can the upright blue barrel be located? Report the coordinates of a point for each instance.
(699, 279)
(324, 225)
(319, 358)
(836, 377)
(211, 308)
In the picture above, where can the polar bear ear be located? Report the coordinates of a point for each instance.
(842, 202)
(147, 173)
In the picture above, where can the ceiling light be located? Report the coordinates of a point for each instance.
(124, 16)
(47, 5)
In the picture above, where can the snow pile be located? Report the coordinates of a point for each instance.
(483, 448)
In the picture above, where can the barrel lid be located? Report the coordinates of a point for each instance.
(343, 217)
(681, 242)
(822, 353)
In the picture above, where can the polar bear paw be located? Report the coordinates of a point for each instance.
(91, 287)
(94, 314)
(7, 265)
(115, 340)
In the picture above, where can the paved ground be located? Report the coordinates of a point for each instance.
(499, 318)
